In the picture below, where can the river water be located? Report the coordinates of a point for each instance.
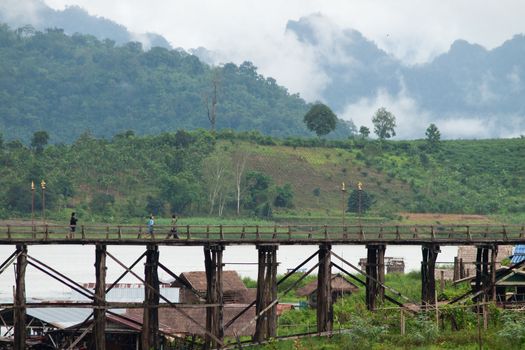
(77, 262)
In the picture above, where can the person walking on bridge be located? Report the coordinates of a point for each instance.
(151, 223)
(72, 225)
(174, 231)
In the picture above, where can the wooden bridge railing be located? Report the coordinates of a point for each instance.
(407, 234)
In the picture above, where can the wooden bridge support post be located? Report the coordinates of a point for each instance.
(20, 299)
(375, 274)
(428, 277)
(486, 271)
(214, 293)
(493, 257)
(325, 312)
(266, 325)
(99, 327)
(150, 322)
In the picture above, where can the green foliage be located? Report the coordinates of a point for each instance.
(359, 201)
(39, 141)
(433, 136)
(320, 119)
(364, 131)
(384, 124)
(513, 328)
(101, 203)
(69, 84)
(284, 197)
(258, 187)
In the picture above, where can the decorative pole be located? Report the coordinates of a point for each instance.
(43, 186)
(360, 191)
(33, 204)
(343, 191)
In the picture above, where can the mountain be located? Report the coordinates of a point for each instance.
(73, 19)
(67, 85)
(482, 87)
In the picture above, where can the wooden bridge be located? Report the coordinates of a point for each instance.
(197, 235)
(267, 239)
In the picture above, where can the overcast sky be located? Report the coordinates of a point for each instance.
(414, 31)
(411, 29)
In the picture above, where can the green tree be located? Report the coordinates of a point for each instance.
(101, 203)
(364, 131)
(320, 119)
(284, 198)
(384, 124)
(39, 141)
(433, 136)
(359, 200)
(258, 188)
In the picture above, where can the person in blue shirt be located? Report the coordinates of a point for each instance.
(151, 222)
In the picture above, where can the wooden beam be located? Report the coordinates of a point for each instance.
(381, 271)
(324, 290)
(20, 299)
(214, 286)
(428, 278)
(150, 323)
(266, 326)
(493, 257)
(372, 278)
(99, 322)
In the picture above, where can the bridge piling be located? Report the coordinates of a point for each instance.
(266, 324)
(99, 314)
(20, 299)
(150, 320)
(214, 294)
(486, 271)
(325, 313)
(428, 278)
(375, 274)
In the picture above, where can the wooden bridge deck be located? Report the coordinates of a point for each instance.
(192, 235)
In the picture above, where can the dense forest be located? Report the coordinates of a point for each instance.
(67, 85)
(247, 174)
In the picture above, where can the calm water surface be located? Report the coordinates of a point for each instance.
(77, 262)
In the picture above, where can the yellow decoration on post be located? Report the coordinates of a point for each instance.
(32, 185)
(359, 186)
(43, 184)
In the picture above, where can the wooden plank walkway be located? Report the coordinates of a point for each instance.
(194, 235)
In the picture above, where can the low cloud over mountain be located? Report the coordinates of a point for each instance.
(468, 91)
(73, 19)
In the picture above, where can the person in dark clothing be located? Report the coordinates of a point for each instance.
(173, 232)
(72, 224)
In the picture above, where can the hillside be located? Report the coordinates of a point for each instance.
(466, 85)
(70, 84)
(194, 174)
(73, 19)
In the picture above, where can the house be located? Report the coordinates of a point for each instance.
(393, 265)
(234, 290)
(59, 326)
(340, 286)
(173, 323)
(465, 262)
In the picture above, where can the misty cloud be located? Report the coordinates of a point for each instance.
(411, 120)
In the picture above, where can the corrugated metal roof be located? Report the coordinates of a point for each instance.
(519, 254)
(58, 316)
(131, 295)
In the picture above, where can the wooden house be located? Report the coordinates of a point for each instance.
(340, 287)
(234, 290)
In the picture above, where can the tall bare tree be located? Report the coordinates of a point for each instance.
(210, 98)
(239, 160)
(217, 177)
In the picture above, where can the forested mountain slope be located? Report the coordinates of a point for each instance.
(69, 84)
(194, 173)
